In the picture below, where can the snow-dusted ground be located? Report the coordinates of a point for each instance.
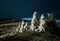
(9, 24)
(32, 37)
(7, 35)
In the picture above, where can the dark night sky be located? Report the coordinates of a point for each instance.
(25, 8)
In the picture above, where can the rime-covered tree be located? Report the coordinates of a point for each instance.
(22, 26)
(25, 26)
(51, 17)
(52, 23)
(17, 29)
(42, 24)
(34, 21)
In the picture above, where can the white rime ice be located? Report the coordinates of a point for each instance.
(22, 26)
(42, 23)
(25, 27)
(34, 21)
(17, 29)
(7, 35)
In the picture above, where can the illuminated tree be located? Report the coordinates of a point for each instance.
(42, 23)
(17, 29)
(25, 27)
(34, 21)
(22, 26)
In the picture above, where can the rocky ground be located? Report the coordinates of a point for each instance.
(31, 36)
(27, 36)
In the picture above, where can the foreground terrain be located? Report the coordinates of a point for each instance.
(32, 37)
(26, 36)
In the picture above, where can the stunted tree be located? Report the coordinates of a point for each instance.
(34, 21)
(25, 26)
(17, 29)
(52, 23)
(51, 17)
(22, 26)
(42, 24)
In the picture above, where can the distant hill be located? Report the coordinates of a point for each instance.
(17, 20)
